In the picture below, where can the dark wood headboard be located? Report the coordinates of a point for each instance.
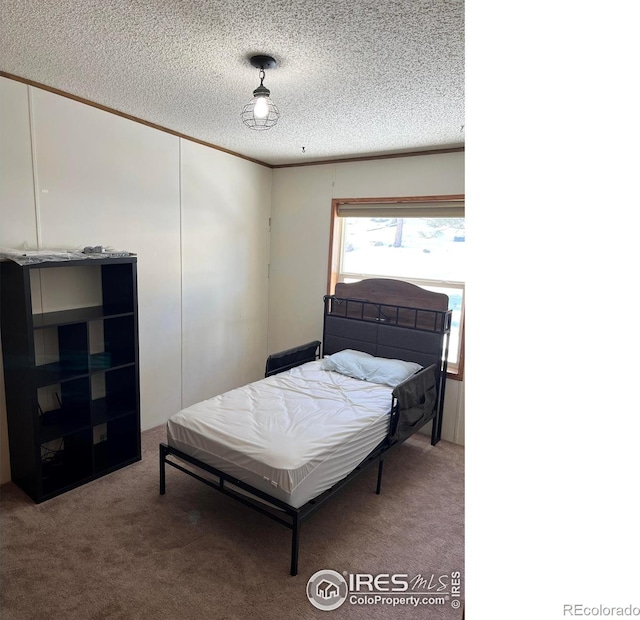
(392, 301)
(394, 293)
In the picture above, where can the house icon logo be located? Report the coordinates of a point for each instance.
(327, 590)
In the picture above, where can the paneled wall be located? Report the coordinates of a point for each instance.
(72, 175)
(225, 254)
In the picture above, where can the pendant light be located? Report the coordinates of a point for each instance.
(261, 113)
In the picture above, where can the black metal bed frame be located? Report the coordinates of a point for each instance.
(379, 316)
(281, 512)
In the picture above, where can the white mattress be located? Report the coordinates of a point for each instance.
(292, 435)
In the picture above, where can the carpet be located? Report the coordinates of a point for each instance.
(116, 549)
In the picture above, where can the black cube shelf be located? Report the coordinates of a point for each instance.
(73, 414)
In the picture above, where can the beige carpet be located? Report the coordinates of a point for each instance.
(116, 549)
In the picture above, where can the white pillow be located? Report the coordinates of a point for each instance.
(360, 365)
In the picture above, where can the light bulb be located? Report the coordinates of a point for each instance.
(261, 108)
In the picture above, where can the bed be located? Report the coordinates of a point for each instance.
(326, 410)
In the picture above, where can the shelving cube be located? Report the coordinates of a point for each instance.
(71, 373)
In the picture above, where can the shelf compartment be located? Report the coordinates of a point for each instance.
(68, 463)
(50, 374)
(121, 446)
(118, 287)
(73, 347)
(111, 342)
(119, 339)
(71, 351)
(102, 411)
(56, 372)
(114, 394)
(64, 408)
(60, 422)
(99, 362)
(78, 315)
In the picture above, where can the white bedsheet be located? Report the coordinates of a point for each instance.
(292, 435)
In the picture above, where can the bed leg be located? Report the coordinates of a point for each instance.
(162, 470)
(380, 464)
(295, 539)
(435, 429)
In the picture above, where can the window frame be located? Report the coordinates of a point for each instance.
(335, 243)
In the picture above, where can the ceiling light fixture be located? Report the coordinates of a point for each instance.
(261, 113)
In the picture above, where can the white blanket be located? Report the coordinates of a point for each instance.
(292, 435)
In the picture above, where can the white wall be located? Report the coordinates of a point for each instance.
(104, 180)
(72, 175)
(226, 205)
(301, 220)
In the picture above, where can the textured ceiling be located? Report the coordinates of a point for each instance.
(354, 77)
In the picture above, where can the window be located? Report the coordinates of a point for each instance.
(419, 239)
